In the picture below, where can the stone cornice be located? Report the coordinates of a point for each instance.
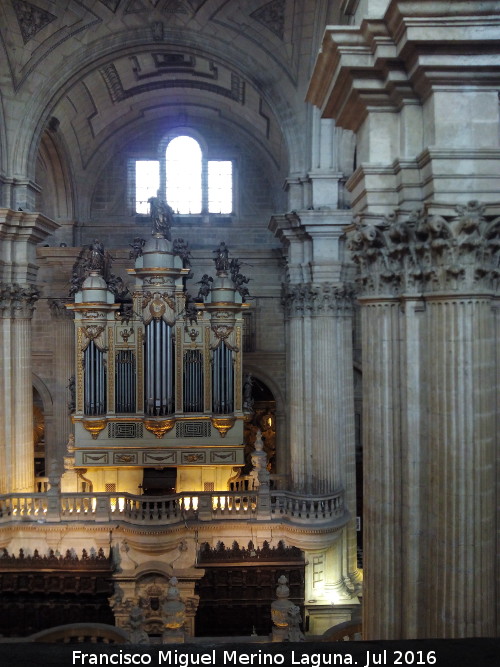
(25, 225)
(384, 63)
(428, 251)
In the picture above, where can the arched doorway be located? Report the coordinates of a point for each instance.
(39, 441)
(263, 418)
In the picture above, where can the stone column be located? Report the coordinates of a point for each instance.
(18, 304)
(320, 375)
(381, 426)
(461, 413)
(427, 283)
(64, 355)
(20, 232)
(319, 320)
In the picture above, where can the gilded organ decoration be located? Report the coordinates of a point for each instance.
(159, 359)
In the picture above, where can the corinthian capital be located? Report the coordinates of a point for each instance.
(321, 299)
(18, 301)
(428, 253)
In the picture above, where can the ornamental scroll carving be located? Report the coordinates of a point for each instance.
(93, 332)
(18, 301)
(428, 253)
(322, 299)
(223, 333)
(158, 305)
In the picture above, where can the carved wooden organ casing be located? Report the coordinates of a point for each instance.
(160, 385)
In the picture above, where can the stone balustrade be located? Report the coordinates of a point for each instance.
(298, 508)
(280, 506)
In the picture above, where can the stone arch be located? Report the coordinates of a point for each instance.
(53, 175)
(82, 62)
(268, 417)
(48, 413)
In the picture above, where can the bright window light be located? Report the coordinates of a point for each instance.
(147, 183)
(220, 186)
(183, 171)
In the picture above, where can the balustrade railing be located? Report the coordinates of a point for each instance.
(282, 506)
(298, 508)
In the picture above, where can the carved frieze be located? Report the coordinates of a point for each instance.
(420, 252)
(222, 554)
(321, 299)
(89, 560)
(31, 18)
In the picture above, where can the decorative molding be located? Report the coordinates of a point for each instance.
(422, 252)
(161, 80)
(70, 561)
(159, 426)
(94, 427)
(222, 554)
(159, 459)
(193, 429)
(223, 424)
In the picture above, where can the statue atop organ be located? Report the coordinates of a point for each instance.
(158, 381)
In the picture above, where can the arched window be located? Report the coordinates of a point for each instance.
(184, 176)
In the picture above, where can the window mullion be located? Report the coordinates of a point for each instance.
(204, 185)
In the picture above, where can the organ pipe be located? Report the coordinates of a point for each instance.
(159, 369)
(94, 380)
(193, 381)
(125, 382)
(222, 380)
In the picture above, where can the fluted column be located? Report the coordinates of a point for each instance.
(427, 283)
(300, 458)
(18, 304)
(320, 380)
(5, 403)
(461, 412)
(20, 232)
(382, 462)
(64, 355)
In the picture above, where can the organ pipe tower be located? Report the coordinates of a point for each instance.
(160, 386)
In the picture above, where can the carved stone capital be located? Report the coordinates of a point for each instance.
(421, 252)
(18, 301)
(58, 309)
(321, 299)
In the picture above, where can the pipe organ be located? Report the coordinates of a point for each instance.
(158, 385)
